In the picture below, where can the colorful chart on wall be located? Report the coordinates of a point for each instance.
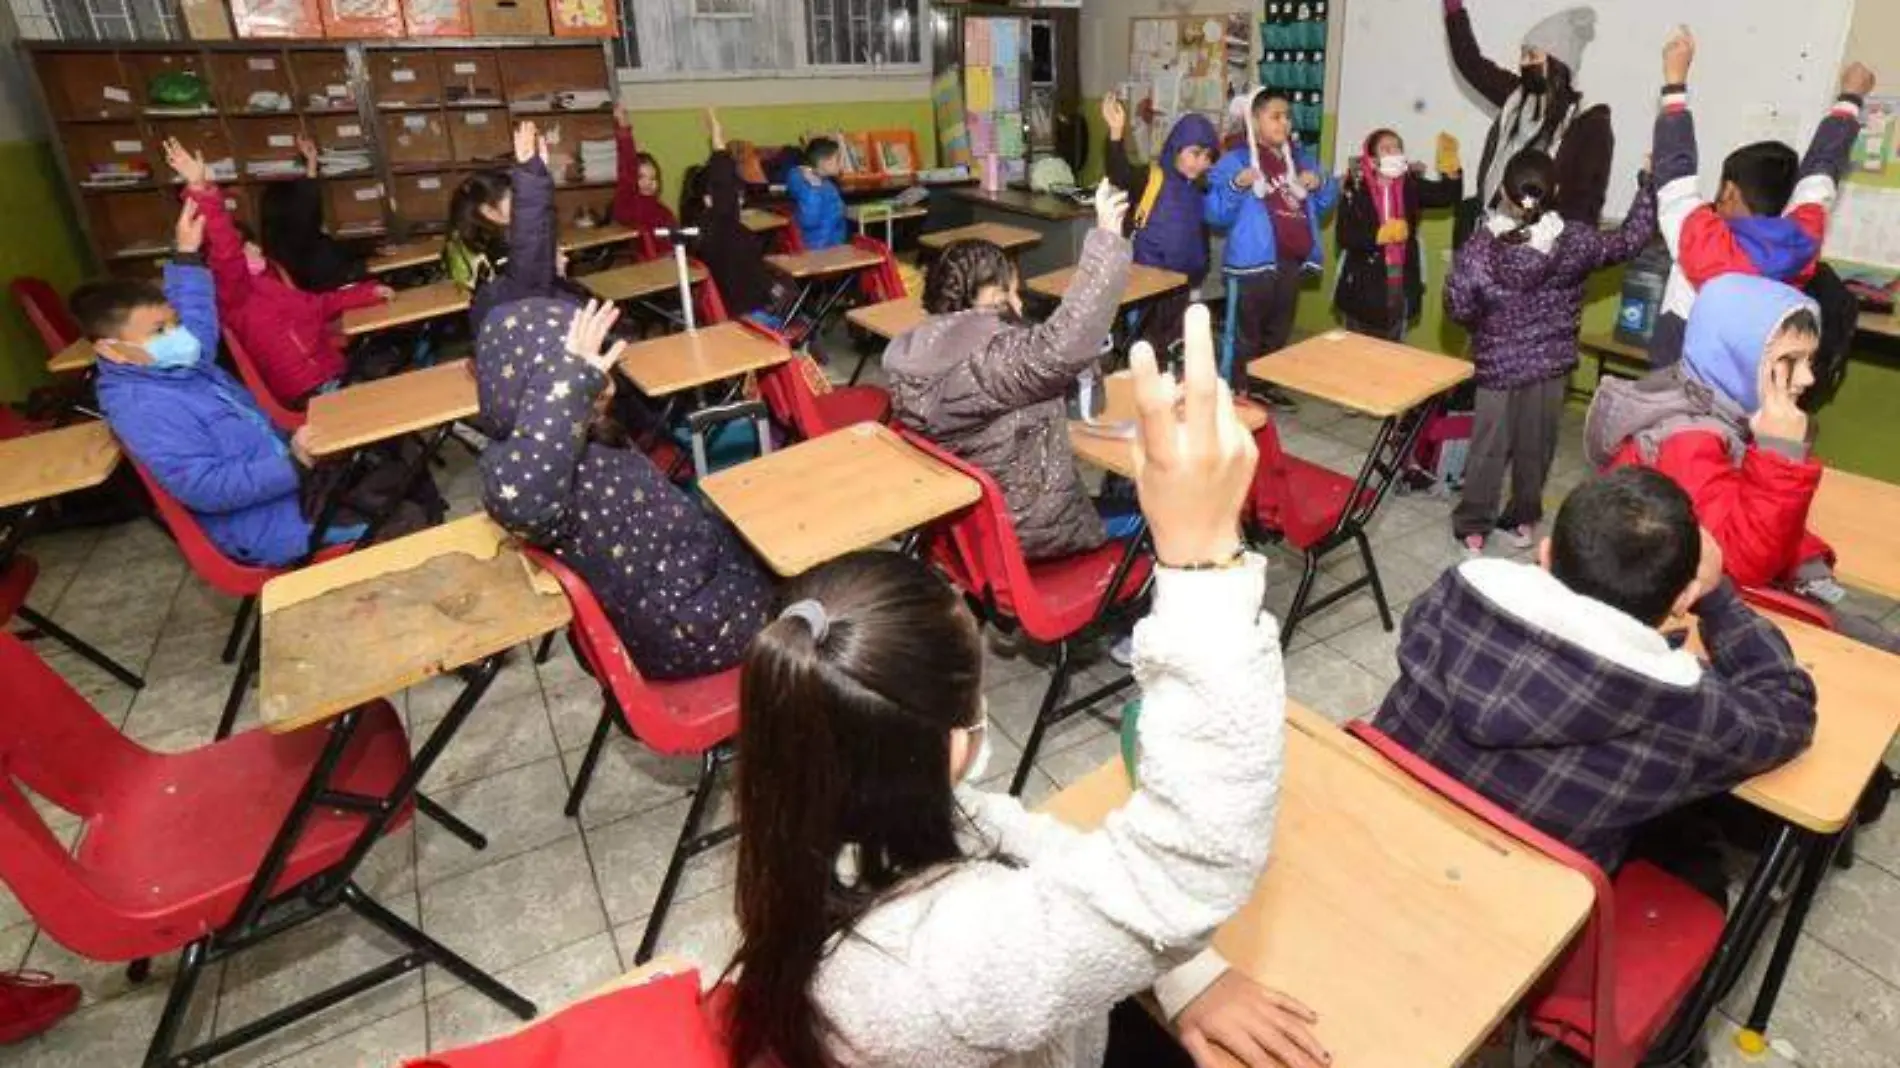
(994, 91)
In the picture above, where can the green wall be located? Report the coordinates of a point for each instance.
(41, 239)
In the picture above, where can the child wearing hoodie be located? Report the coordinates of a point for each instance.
(1168, 217)
(1381, 277)
(637, 204)
(1518, 286)
(1548, 688)
(1725, 423)
(1771, 215)
(1269, 197)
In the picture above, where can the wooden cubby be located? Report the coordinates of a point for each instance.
(427, 112)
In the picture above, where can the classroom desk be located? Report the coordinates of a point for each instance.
(831, 495)
(639, 281)
(1408, 926)
(1062, 224)
(1879, 324)
(581, 238)
(1860, 518)
(889, 319)
(364, 414)
(760, 221)
(889, 214)
(77, 356)
(1145, 285)
(1109, 442)
(417, 305)
(823, 277)
(1007, 238)
(35, 469)
(676, 363)
(1394, 383)
(1607, 348)
(404, 256)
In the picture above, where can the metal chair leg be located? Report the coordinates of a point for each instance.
(241, 685)
(545, 649)
(586, 773)
(236, 639)
(450, 822)
(1372, 576)
(1300, 594)
(683, 849)
(78, 645)
(177, 1004)
(396, 927)
(1051, 699)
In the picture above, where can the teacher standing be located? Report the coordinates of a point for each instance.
(1539, 107)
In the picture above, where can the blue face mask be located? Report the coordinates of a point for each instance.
(177, 347)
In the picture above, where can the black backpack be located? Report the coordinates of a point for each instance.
(1840, 314)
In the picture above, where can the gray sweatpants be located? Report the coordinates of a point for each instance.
(1516, 428)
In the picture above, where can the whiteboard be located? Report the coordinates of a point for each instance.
(1761, 72)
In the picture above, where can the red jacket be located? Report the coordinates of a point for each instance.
(286, 330)
(631, 208)
(1757, 511)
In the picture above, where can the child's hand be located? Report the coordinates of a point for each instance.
(1311, 181)
(1253, 1024)
(1246, 178)
(1708, 572)
(308, 150)
(1780, 416)
(189, 236)
(527, 139)
(1111, 207)
(300, 447)
(1115, 116)
(1193, 459)
(1857, 79)
(384, 293)
(588, 333)
(189, 165)
(1447, 153)
(715, 130)
(1678, 56)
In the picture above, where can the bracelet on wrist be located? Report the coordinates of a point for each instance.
(1233, 560)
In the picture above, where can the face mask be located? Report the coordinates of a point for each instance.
(1533, 80)
(177, 347)
(980, 760)
(1391, 166)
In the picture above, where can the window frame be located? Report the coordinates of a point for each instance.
(803, 67)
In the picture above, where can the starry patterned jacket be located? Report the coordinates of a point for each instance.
(994, 393)
(684, 595)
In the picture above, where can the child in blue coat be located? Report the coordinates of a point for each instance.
(813, 189)
(1268, 195)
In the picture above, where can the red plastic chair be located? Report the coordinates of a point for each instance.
(40, 303)
(807, 412)
(791, 240)
(681, 718)
(1054, 601)
(660, 1023)
(288, 420)
(171, 842)
(1303, 503)
(1792, 605)
(1649, 938)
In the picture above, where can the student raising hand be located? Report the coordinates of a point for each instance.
(1115, 116)
(587, 336)
(189, 235)
(1678, 56)
(1111, 207)
(529, 143)
(190, 165)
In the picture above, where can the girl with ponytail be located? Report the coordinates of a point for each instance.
(891, 913)
(1517, 285)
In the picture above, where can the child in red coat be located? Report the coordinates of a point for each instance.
(637, 202)
(287, 332)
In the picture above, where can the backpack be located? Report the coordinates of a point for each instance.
(1840, 315)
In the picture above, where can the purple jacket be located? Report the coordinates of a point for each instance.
(1523, 306)
(1173, 234)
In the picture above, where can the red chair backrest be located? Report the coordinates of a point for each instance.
(1579, 975)
(1304, 521)
(791, 240)
(706, 299)
(41, 305)
(1792, 605)
(206, 559)
(16, 582)
(600, 645)
(880, 283)
(283, 418)
(661, 1023)
(785, 391)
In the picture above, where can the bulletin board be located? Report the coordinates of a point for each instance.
(1866, 226)
(1184, 63)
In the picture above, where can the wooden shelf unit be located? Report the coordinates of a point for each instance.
(427, 112)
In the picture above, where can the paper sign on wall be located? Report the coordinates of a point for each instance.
(117, 95)
(402, 76)
(477, 118)
(281, 141)
(261, 63)
(415, 122)
(369, 193)
(128, 148)
(349, 130)
(428, 183)
(465, 68)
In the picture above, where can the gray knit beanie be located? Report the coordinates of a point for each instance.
(1563, 35)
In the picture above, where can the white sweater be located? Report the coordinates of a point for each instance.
(990, 964)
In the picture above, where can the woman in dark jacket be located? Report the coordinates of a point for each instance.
(1381, 278)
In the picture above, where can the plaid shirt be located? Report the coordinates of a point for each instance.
(1580, 747)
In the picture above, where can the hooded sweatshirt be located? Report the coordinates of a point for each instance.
(683, 594)
(1577, 717)
(1167, 215)
(1690, 422)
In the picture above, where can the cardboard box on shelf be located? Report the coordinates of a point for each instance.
(277, 18)
(207, 20)
(510, 18)
(583, 18)
(362, 18)
(438, 18)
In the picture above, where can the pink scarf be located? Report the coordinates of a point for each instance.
(1389, 200)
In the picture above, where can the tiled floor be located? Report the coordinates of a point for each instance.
(555, 906)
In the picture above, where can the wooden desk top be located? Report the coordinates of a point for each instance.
(1022, 201)
(575, 238)
(1144, 283)
(407, 254)
(877, 212)
(408, 306)
(677, 362)
(1410, 928)
(823, 498)
(838, 259)
(53, 462)
(1104, 445)
(1608, 343)
(1887, 325)
(1860, 518)
(355, 416)
(889, 319)
(368, 624)
(760, 221)
(1378, 378)
(75, 357)
(638, 280)
(1007, 238)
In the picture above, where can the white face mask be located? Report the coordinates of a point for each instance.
(979, 762)
(1392, 166)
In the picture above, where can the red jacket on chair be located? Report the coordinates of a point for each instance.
(286, 330)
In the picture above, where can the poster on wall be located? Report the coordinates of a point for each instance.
(1179, 64)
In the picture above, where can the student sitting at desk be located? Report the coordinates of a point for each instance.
(290, 334)
(637, 204)
(813, 189)
(991, 388)
(290, 218)
(897, 914)
(714, 204)
(683, 594)
(1548, 688)
(1726, 424)
(1169, 221)
(503, 242)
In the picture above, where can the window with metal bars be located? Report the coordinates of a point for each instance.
(862, 33)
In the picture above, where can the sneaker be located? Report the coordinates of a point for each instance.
(1823, 589)
(1123, 651)
(1474, 545)
(31, 1002)
(1522, 536)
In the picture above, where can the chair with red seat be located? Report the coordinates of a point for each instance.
(40, 303)
(1307, 506)
(209, 851)
(1055, 601)
(679, 718)
(804, 410)
(1648, 940)
(288, 420)
(658, 1022)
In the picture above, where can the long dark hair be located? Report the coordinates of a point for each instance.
(961, 272)
(467, 224)
(844, 747)
(693, 194)
(1530, 186)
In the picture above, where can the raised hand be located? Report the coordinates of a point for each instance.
(587, 336)
(189, 235)
(1111, 207)
(1447, 153)
(308, 150)
(527, 140)
(1194, 459)
(1115, 115)
(1678, 56)
(1857, 79)
(1311, 181)
(189, 165)
(715, 131)
(1780, 415)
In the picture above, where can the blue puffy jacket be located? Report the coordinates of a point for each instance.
(1249, 225)
(197, 431)
(820, 208)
